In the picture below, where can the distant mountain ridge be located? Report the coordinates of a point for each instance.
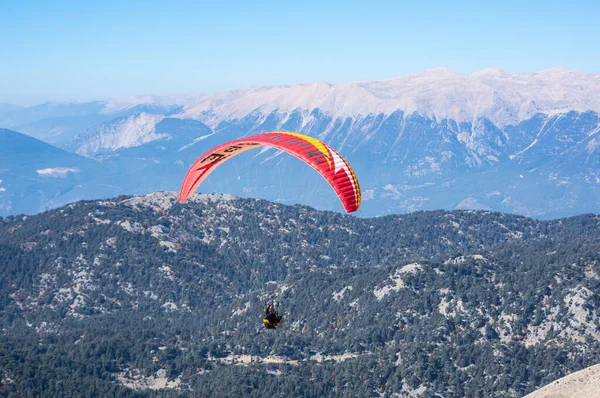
(33, 174)
(438, 94)
(526, 143)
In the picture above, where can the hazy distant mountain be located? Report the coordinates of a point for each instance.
(59, 131)
(8, 108)
(34, 175)
(526, 143)
(57, 123)
(50, 110)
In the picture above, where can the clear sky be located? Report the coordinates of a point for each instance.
(80, 50)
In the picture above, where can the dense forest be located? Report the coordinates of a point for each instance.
(143, 296)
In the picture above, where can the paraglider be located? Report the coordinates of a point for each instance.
(321, 157)
(272, 318)
(313, 152)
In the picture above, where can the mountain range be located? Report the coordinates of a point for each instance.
(525, 143)
(144, 296)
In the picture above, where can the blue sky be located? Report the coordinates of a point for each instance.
(81, 50)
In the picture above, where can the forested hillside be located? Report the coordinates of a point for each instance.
(143, 296)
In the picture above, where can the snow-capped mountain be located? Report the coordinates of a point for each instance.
(125, 132)
(494, 94)
(514, 142)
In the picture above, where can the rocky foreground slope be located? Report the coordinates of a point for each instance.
(582, 384)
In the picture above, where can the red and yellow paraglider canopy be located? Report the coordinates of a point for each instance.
(330, 164)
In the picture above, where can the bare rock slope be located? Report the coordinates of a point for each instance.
(582, 384)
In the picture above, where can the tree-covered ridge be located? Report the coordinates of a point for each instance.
(98, 297)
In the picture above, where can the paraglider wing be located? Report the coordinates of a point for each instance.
(315, 153)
